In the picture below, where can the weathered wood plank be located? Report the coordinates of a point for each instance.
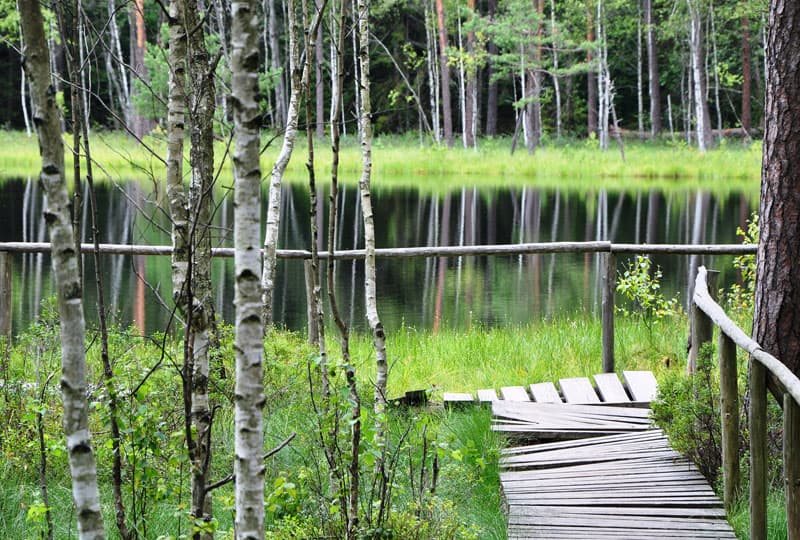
(514, 393)
(578, 390)
(545, 392)
(610, 389)
(487, 395)
(455, 399)
(642, 385)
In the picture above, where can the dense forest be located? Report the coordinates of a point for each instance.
(449, 69)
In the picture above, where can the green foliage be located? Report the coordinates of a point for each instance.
(641, 285)
(687, 409)
(740, 298)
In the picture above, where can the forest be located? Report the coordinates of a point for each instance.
(452, 71)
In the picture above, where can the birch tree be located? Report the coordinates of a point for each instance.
(702, 117)
(370, 279)
(249, 346)
(299, 80)
(64, 254)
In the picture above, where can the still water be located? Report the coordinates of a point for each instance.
(423, 293)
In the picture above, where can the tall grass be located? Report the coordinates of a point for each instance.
(467, 360)
(402, 162)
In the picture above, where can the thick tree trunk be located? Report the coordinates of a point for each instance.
(447, 109)
(65, 269)
(747, 79)
(776, 321)
(652, 69)
(249, 345)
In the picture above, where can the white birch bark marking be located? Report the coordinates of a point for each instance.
(248, 345)
(65, 269)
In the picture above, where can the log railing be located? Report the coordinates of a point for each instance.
(607, 249)
(762, 364)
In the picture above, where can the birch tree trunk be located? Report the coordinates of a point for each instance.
(249, 345)
(65, 269)
(202, 106)
(702, 118)
(299, 79)
(370, 285)
(639, 85)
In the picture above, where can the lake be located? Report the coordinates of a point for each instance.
(422, 293)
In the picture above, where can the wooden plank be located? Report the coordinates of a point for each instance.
(455, 399)
(642, 385)
(487, 395)
(610, 389)
(545, 392)
(578, 390)
(514, 393)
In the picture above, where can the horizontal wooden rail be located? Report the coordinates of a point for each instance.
(761, 364)
(435, 251)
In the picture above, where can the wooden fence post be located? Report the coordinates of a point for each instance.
(702, 329)
(6, 294)
(791, 464)
(607, 307)
(311, 308)
(729, 412)
(758, 450)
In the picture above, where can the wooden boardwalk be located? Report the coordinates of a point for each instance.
(610, 473)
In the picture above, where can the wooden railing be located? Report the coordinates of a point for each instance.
(761, 365)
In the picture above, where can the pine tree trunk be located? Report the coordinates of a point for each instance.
(775, 321)
(65, 269)
(447, 110)
(249, 345)
(591, 81)
(746, 116)
(139, 125)
(275, 64)
(491, 93)
(652, 70)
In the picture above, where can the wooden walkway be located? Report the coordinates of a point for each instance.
(610, 473)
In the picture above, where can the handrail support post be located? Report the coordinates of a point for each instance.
(608, 307)
(729, 412)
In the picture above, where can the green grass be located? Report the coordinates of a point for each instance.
(739, 517)
(467, 360)
(404, 162)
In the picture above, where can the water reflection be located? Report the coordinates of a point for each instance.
(428, 293)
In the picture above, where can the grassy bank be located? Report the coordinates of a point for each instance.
(403, 161)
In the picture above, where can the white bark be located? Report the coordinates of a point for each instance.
(556, 84)
(370, 285)
(65, 269)
(299, 80)
(248, 346)
(702, 119)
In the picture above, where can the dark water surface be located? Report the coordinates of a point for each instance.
(423, 293)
